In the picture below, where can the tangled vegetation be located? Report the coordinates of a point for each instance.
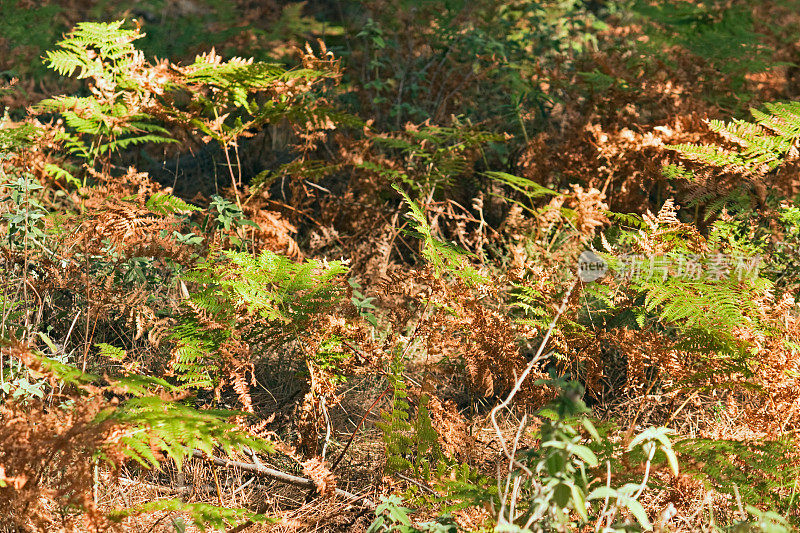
(400, 266)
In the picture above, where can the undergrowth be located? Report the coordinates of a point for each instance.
(461, 266)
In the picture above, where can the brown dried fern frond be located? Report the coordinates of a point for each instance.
(46, 452)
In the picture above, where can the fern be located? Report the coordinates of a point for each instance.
(701, 304)
(195, 360)
(530, 189)
(202, 514)
(266, 300)
(111, 352)
(631, 220)
(109, 120)
(673, 172)
(445, 258)
(531, 303)
(412, 444)
(763, 144)
(278, 289)
(20, 137)
(132, 103)
(96, 50)
(166, 204)
(179, 430)
(428, 453)
(99, 128)
(761, 472)
(150, 425)
(721, 36)
(432, 156)
(397, 431)
(312, 169)
(719, 305)
(704, 313)
(226, 88)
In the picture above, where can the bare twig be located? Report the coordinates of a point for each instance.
(352, 436)
(327, 426)
(415, 482)
(535, 360)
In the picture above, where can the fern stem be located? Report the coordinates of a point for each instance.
(217, 486)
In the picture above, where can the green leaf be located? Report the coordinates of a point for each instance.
(601, 493)
(589, 426)
(561, 494)
(48, 342)
(637, 511)
(585, 454)
(672, 458)
(653, 433)
(579, 502)
(112, 352)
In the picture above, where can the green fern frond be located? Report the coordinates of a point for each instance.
(166, 204)
(91, 46)
(672, 172)
(529, 188)
(151, 424)
(444, 257)
(203, 515)
(764, 145)
(19, 137)
(753, 471)
(194, 363)
(710, 155)
(236, 289)
(713, 304)
(179, 430)
(279, 289)
(127, 142)
(631, 220)
(397, 431)
(58, 172)
(111, 352)
(139, 385)
(65, 372)
(782, 118)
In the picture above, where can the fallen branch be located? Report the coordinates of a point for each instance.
(281, 476)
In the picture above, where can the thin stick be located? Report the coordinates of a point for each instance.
(216, 484)
(352, 436)
(327, 426)
(531, 364)
(415, 482)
